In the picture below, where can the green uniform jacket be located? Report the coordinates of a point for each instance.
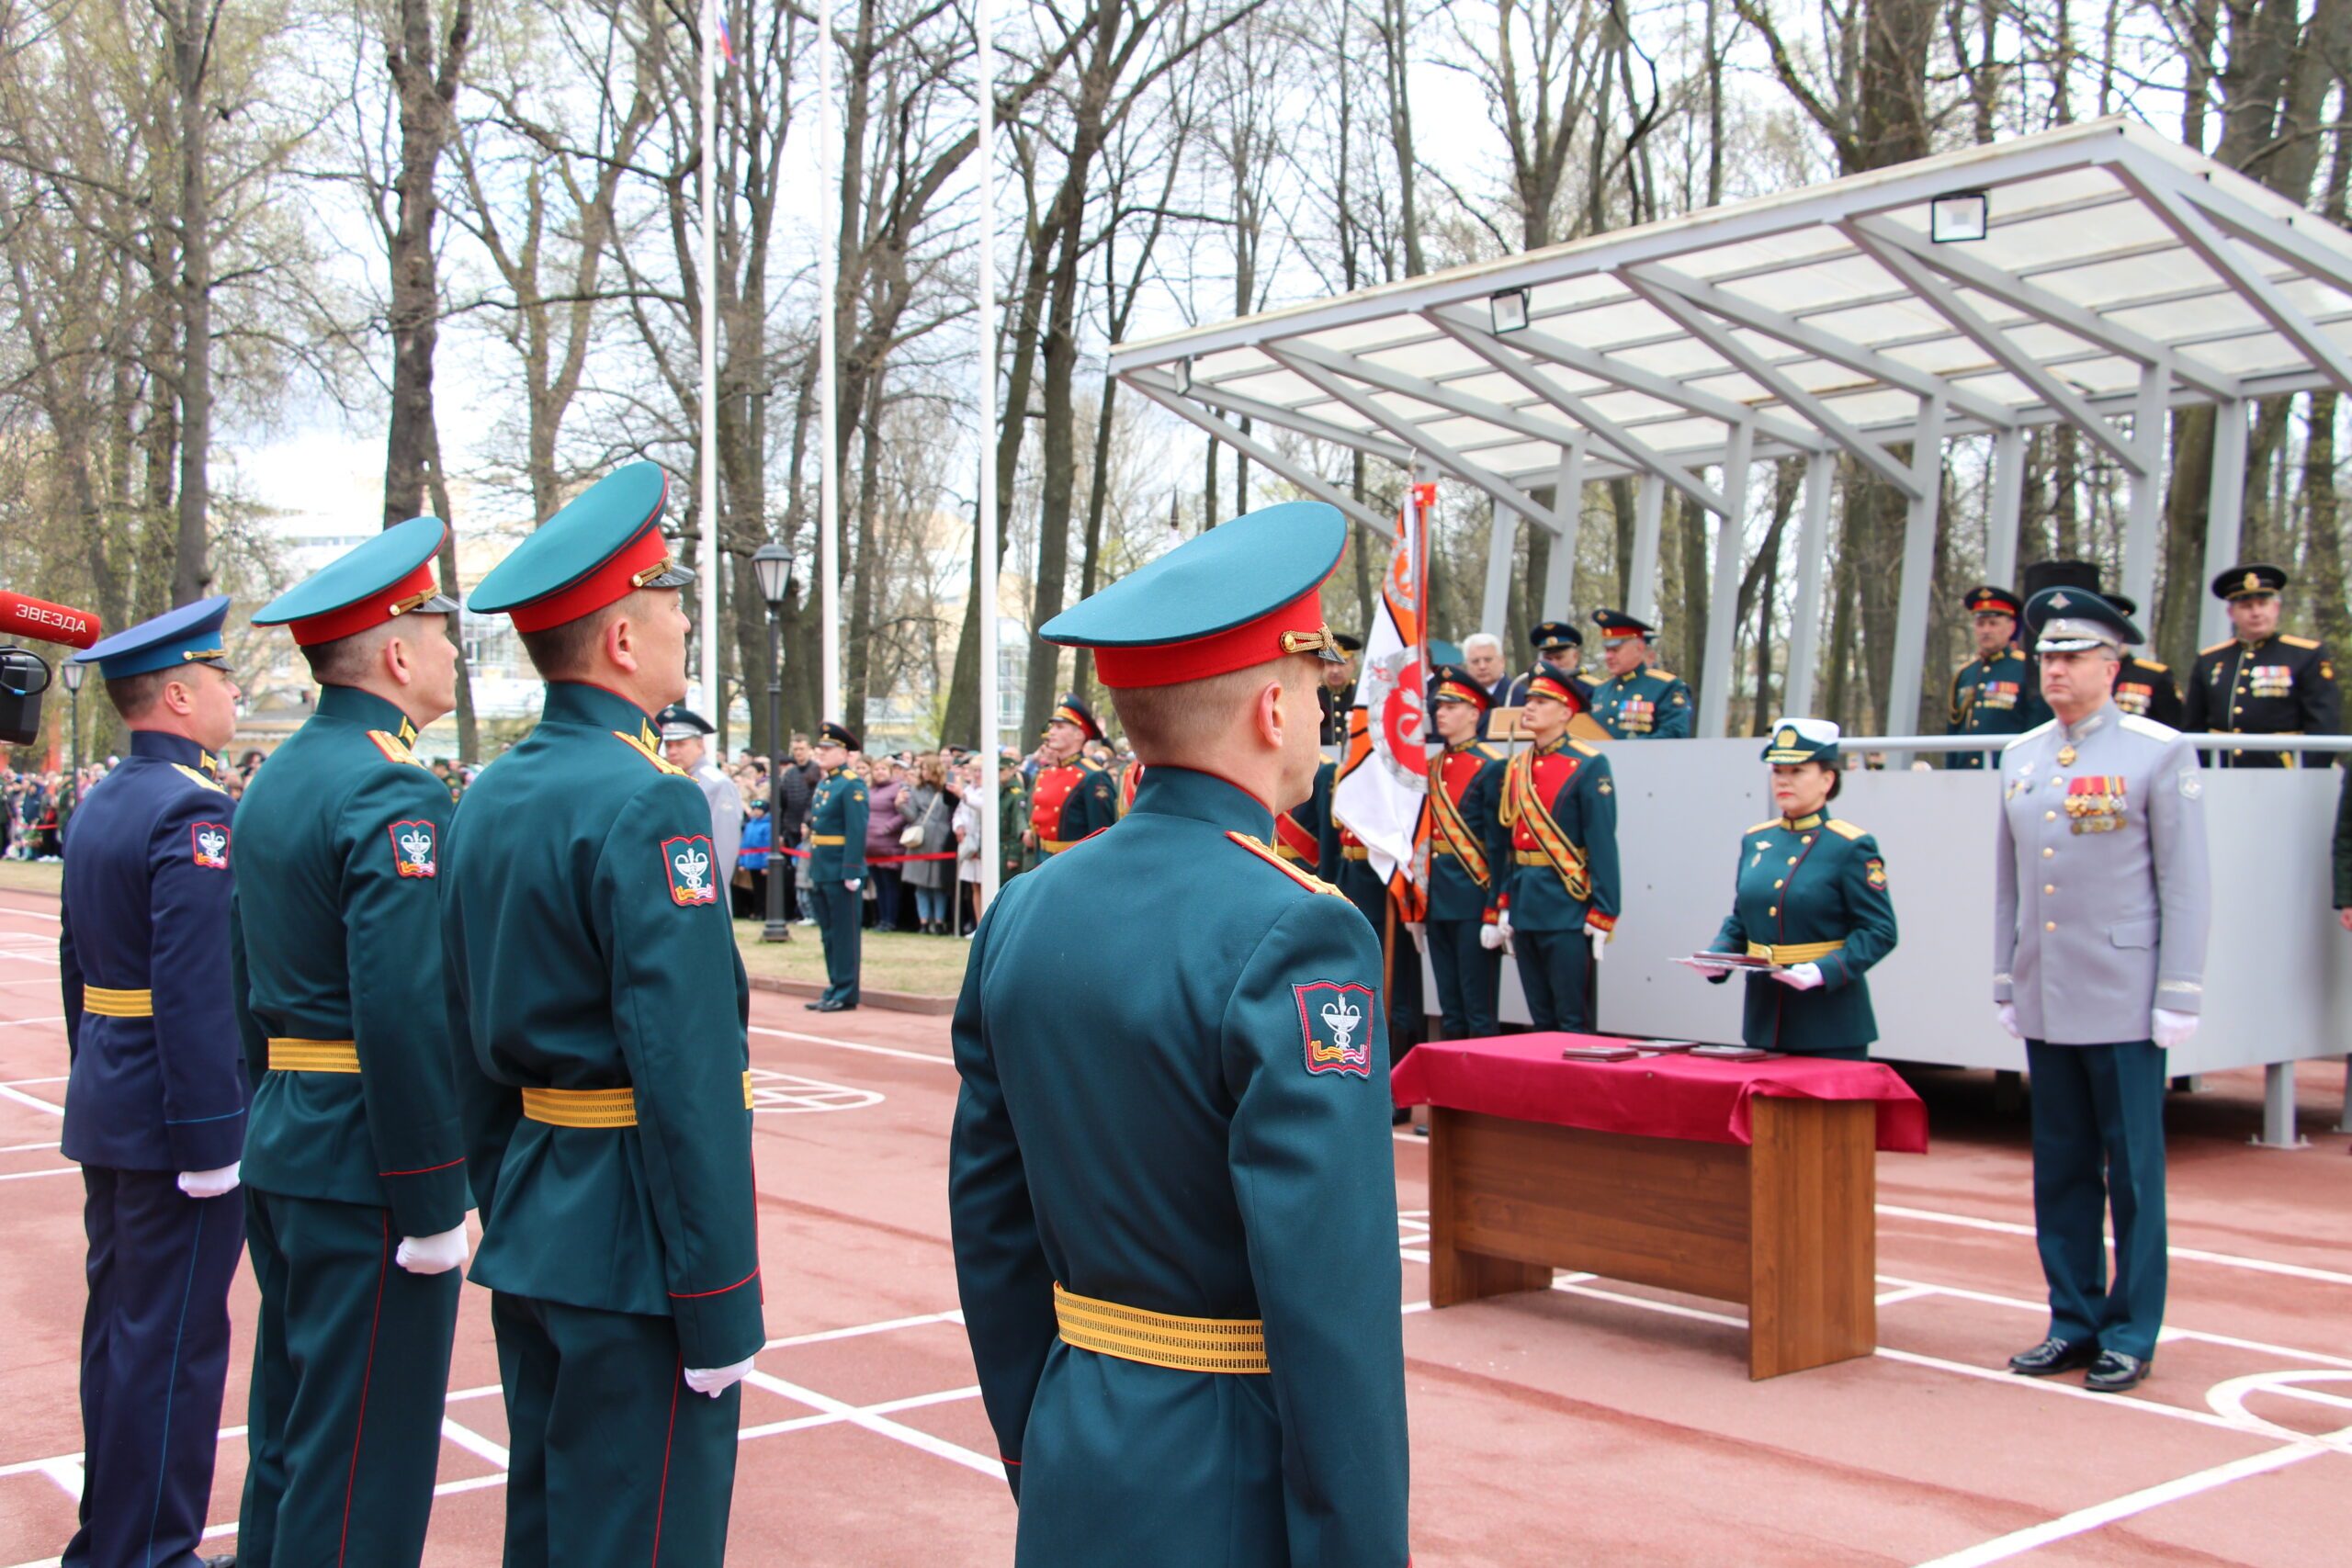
(337, 917)
(837, 827)
(1649, 704)
(1191, 1116)
(1455, 894)
(589, 947)
(1573, 778)
(2001, 695)
(1813, 880)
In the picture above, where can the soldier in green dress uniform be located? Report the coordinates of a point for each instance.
(598, 1009)
(1638, 703)
(1171, 1182)
(1995, 692)
(356, 1193)
(1467, 845)
(2261, 682)
(1810, 895)
(837, 867)
(1561, 896)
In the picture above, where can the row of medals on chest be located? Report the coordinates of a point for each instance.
(2095, 805)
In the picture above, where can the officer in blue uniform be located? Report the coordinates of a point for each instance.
(1996, 693)
(354, 1169)
(837, 866)
(1560, 894)
(1171, 1183)
(596, 1008)
(156, 1095)
(1638, 703)
(1468, 848)
(1556, 643)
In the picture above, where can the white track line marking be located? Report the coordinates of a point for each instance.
(26, 1148)
(822, 1334)
(931, 1056)
(2018, 1304)
(2082, 1520)
(28, 1175)
(9, 1091)
(19, 1022)
(880, 1425)
(2190, 1254)
(30, 914)
(473, 1442)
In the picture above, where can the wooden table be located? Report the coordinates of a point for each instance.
(1772, 1206)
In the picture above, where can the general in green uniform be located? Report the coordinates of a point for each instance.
(1561, 896)
(1811, 897)
(598, 1010)
(837, 866)
(1996, 692)
(1171, 1181)
(356, 1193)
(1638, 703)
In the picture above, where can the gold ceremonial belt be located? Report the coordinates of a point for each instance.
(1793, 952)
(599, 1108)
(1531, 857)
(1054, 846)
(118, 1004)
(1354, 852)
(1160, 1338)
(828, 840)
(313, 1055)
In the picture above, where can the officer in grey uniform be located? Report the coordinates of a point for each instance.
(685, 741)
(2099, 957)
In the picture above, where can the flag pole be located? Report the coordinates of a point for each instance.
(707, 566)
(984, 508)
(828, 487)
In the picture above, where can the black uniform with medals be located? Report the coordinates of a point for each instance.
(2281, 685)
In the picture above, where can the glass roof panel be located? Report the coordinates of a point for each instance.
(1826, 282)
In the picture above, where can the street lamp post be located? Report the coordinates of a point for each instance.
(772, 563)
(73, 673)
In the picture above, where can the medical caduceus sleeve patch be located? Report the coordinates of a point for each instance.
(208, 843)
(1336, 1021)
(691, 866)
(414, 853)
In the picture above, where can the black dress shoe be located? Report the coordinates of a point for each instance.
(227, 1560)
(835, 1006)
(2053, 1356)
(2114, 1371)
(817, 1006)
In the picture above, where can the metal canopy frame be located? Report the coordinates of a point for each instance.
(2120, 276)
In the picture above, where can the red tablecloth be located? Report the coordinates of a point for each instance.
(1670, 1096)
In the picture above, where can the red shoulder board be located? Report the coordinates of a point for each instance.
(1312, 883)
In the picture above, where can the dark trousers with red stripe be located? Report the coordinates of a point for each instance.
(154, 1362)
(615, 1463)
(351, 1360)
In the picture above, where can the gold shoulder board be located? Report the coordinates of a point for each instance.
(1307, 880)
(642, 750)
(1844, 828)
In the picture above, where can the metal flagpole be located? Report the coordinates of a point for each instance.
(829, 491)
(707, 567)
(984, 512)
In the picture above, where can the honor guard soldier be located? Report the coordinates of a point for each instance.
(1811, 898)
(354, 1169)
(2261, 682)
(598, 1007)
(1560, 896)
(1467, 845)
(1172, 1170)
(1995, 692)
(1072, 796)
(1638, 703)
(837, 867)
(685, 740)
(155, 1094)
(2144, 686)
(2100, 896)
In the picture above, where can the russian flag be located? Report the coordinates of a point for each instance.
(726, 41)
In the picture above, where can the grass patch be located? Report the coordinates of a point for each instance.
(32, 876)
(891, 961)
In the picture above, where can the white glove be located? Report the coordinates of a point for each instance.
(211, 1183)
(1799, 976)
(433, 1253)
(1490, 936)
(1417, 930)
(1599, 939)
(854, 883)
(2008, 1017)
(1710, 971)
(716, 1381)
(2173, 1029)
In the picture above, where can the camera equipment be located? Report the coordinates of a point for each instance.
(24, 676)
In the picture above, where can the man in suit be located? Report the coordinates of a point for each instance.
(597, 1008)
(1170, 1182)
(2101, 892)
(155, 1094)
(356, 1193)
(1482, 660)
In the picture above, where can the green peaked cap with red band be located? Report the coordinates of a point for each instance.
(596, 551)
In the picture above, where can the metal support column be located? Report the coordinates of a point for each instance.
(1731, 542)
(2278, 1107)
(1568, 504)
(1649, 511)
(1502, 553)
(2147, 486)
(1918, 566)
(2001, 517)
(1813, 552)
(2225, 511)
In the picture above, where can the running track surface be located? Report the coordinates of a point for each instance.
(1595, 1423)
